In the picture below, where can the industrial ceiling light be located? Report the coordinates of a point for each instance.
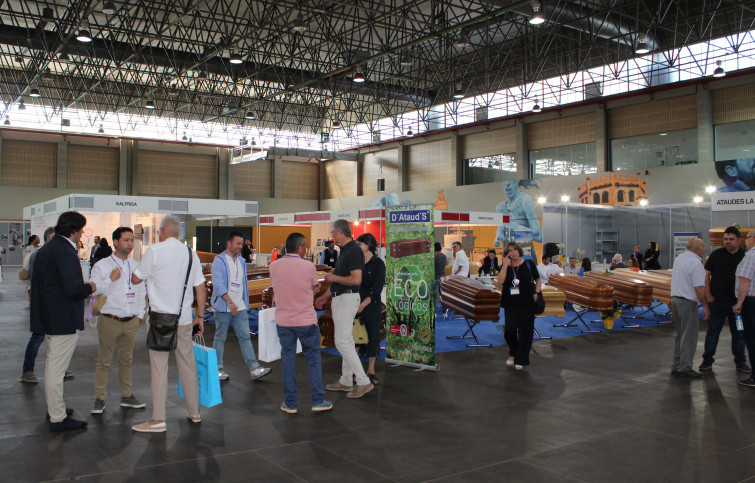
(83, 36)
(184, 138)
(358, 77)
(48, 14)
(21, 105)
(7, 121)
(149, 104)
(101, 130)
(336, 124)
(537, 17)
(458, 94)
(642, 46)
(463, 41)
(249, 115)
(536, 107)
(235, 59)
(719, 72)
(405, 60)
(64, 57)
(108, 8)
(299, 26)
(34, 92)
(409, 132)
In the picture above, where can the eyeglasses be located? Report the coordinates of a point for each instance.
(750, 236)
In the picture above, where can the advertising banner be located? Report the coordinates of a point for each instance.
(410, 291)
(680, 242)
(732, 201)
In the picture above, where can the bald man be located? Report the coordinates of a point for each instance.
(687, 289)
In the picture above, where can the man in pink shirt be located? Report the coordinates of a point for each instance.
(295, 285)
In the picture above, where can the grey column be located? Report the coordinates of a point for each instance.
(522, 152)
(705, 137)
(602, 146)
(277, 177)
(124, 167)
(456, 155)
(134, 164)
(62, 164)
(225, 186)
(402, 168)
(1, 158)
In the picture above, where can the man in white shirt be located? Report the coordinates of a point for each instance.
(461, 262)
(572, 268)
(230, 299)
(546, 268)
(119, 320)
(164, 266)
(687, 288)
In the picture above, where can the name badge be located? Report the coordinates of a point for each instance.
(332, 260)
(235, 287)
(514, 290)
(131, 299)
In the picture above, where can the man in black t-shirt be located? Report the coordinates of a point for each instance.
(344, 288)
(330, 255)
(720, 269)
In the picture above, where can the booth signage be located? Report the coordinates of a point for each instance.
(348, 215)
(284, 219)
(410, 290)
(132, 204)
(680, 242)
(733, 201)
(481, 218)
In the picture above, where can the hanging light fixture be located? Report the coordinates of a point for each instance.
(537, 17)
(249, 115)
(34, 92)
(184, 138)
(642, 46)
(83, 36)
(149, 104)
(48, 14)
(405, 60)
(108, 8)
(458, 94)
(358, 77)
(409, 132)
(536, 107)
(299, 26)
(463, 41)
(336, 124)
(101, 130)
(64, 57)
(235, 59)
(21, 105)
(7, 120)
(719, 72)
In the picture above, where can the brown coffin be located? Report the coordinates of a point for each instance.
(404, 248)
(629, 291)
(660, 280)
(577, 290)
(716, 235)
(554, 302)
(470, 298)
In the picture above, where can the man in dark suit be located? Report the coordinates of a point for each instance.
(636, 253)
(329, 255)
(58, 292)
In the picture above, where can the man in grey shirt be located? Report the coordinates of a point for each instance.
(440, 270)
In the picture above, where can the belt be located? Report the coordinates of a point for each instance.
(345, 291)
(119, 319)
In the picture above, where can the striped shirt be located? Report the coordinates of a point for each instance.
(746, 269)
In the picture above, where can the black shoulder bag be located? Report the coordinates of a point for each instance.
(163, 328)
(540, 302)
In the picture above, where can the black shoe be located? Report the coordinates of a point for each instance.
(374, 379)
(744, 368)
(705, 366)
(749, 382)
(690, 373)
(68, 424)
(69, 411)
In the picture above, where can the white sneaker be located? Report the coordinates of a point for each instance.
(259, 372)
(150, 427)
(222, 375)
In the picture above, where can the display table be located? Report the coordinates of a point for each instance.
(593, 296)
(472, 300)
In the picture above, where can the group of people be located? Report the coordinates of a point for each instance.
(168, 280)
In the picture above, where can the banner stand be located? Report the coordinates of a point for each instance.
(410, 287)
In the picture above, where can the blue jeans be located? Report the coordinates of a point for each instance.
(240, 324)
(32, 349)
(719, 313)
(309, 335)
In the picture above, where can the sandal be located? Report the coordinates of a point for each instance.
(374, 379)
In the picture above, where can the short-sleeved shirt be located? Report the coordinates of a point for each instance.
(722, 266)
(350, 259)
(746, 269)
(688, 273)
(163, 267)
(293, 279)
(440, 265)
(460, 260)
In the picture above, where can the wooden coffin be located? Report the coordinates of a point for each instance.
(577, 290)
(404, 248)
(629, 291)
(554, 302)
(660, 280)
(716, 235)
(470, 298)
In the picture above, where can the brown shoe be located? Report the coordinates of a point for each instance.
(337, 386)
(360, 391)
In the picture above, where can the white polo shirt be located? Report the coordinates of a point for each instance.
(124, 299)
(163, 267)
(460, 260)
(688, 273)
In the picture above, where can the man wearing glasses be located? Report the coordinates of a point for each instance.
(746, 300)
(344, 288)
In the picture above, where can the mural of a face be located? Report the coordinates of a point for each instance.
(511, 188)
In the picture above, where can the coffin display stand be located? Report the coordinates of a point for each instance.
(628, 291)
(593, 296)
(473, 301)
(661, 282)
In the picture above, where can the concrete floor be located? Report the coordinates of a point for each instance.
(596, 408)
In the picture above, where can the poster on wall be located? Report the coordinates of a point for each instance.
(680, 242)
(410, 291)
(525, 240)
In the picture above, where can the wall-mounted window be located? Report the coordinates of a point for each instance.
(651, 150)
(489, 169)
(735, 140)
(564, 160)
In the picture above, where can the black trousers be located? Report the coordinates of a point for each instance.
(371, 316)
(518, 332)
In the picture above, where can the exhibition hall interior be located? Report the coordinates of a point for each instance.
(605, 147)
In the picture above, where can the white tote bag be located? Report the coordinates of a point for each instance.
(267, 335)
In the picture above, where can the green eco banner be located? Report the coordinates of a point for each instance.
(410, 291)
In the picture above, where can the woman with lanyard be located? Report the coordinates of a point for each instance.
(371, 308)
(520, 285)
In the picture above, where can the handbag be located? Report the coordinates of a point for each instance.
(359, 331)
(162, 335)
(23, 274)
(539, 304)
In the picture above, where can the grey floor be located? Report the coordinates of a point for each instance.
(595, 408)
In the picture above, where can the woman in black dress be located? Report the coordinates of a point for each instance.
(371, 308)
(651, 257)
(520, 283)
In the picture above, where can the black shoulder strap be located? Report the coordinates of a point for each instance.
(186, 283)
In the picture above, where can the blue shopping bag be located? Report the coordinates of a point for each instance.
(207, 372)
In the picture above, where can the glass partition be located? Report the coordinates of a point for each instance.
(663, 149)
